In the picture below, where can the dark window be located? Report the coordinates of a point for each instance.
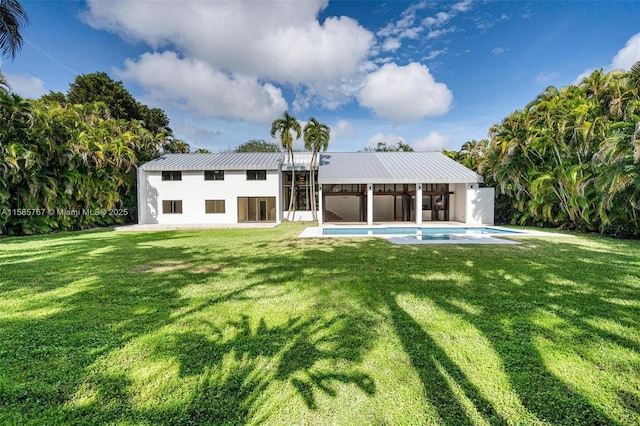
(256, 175)
(172, 175)
(214, 175)
(214, 206)
(172, 206)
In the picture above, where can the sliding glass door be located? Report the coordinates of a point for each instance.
(256, 209)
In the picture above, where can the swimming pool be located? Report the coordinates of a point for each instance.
(424, 232)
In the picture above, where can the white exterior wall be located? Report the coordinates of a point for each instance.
(193, 190)
(480, 205)
(457, 202)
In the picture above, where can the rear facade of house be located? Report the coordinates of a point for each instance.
(360, 187)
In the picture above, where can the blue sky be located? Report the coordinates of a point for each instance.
(433, 74)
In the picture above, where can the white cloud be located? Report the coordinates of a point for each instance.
(546, 77)
(389, 138)
(238, 47)
(440, 19)
(439, 33)
(405, 93)
(270, 40)
(628, 55)
(435, 53)
(462, 6)
(342, 128)
(25, 85)
(498, 50)
(391, 45)
(394, 32)
(194, 84)
(623, 60)
(434, 141)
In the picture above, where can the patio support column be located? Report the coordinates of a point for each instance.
(419, 204)
(369, 204)
(320, 211)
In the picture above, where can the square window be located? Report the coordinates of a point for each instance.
(214, 175)
(172, 175)
(214, 206)
(256, 175)
(172, 206)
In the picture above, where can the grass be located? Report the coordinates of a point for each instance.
(256, 326)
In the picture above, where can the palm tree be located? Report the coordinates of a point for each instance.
(5, 87)
(316, 139)
(12, 18)
(285, 126)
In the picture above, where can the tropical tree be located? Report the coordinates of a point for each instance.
(13, 18)
(383, 146)
(69, 166)
(316, 139)
(258, 145)
(285, 126)
(571, 157)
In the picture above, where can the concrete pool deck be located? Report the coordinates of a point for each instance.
(453, 238)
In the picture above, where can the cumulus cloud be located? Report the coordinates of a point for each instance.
(498, 50)
(391, 45)
(628, 55)
(237, 45)
(404, 93)
(26, 85)
(342, 129)
(266, 39)
(194, 84)
(389, 138)
(623, 60)
(434, 141)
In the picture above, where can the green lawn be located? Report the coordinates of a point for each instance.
(257, 326)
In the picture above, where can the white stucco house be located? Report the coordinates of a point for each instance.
(365, 187)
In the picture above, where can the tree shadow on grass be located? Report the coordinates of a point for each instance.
(237, 363)
(63, 366)
(447, 276)
(50, 348)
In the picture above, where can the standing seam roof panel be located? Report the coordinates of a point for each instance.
(222, 161)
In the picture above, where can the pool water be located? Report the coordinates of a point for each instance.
(424, 233)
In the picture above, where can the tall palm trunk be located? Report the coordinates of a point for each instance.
(312, 180)
(292, 205)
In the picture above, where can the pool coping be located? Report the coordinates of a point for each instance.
(316, 232)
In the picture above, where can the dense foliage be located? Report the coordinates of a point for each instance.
(70, 166)
(570, 158)
(258, 145)
(385, 147)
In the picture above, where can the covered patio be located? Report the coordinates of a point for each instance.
(413, 187)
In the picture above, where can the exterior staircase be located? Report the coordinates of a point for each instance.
(331, 216)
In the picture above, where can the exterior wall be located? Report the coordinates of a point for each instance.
(480, 205)
(193, 190)
(458, 202)
(347, 207)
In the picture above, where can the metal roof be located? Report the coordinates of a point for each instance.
(334, 167)
(302, 161)
(392, 167)
(221, 161)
